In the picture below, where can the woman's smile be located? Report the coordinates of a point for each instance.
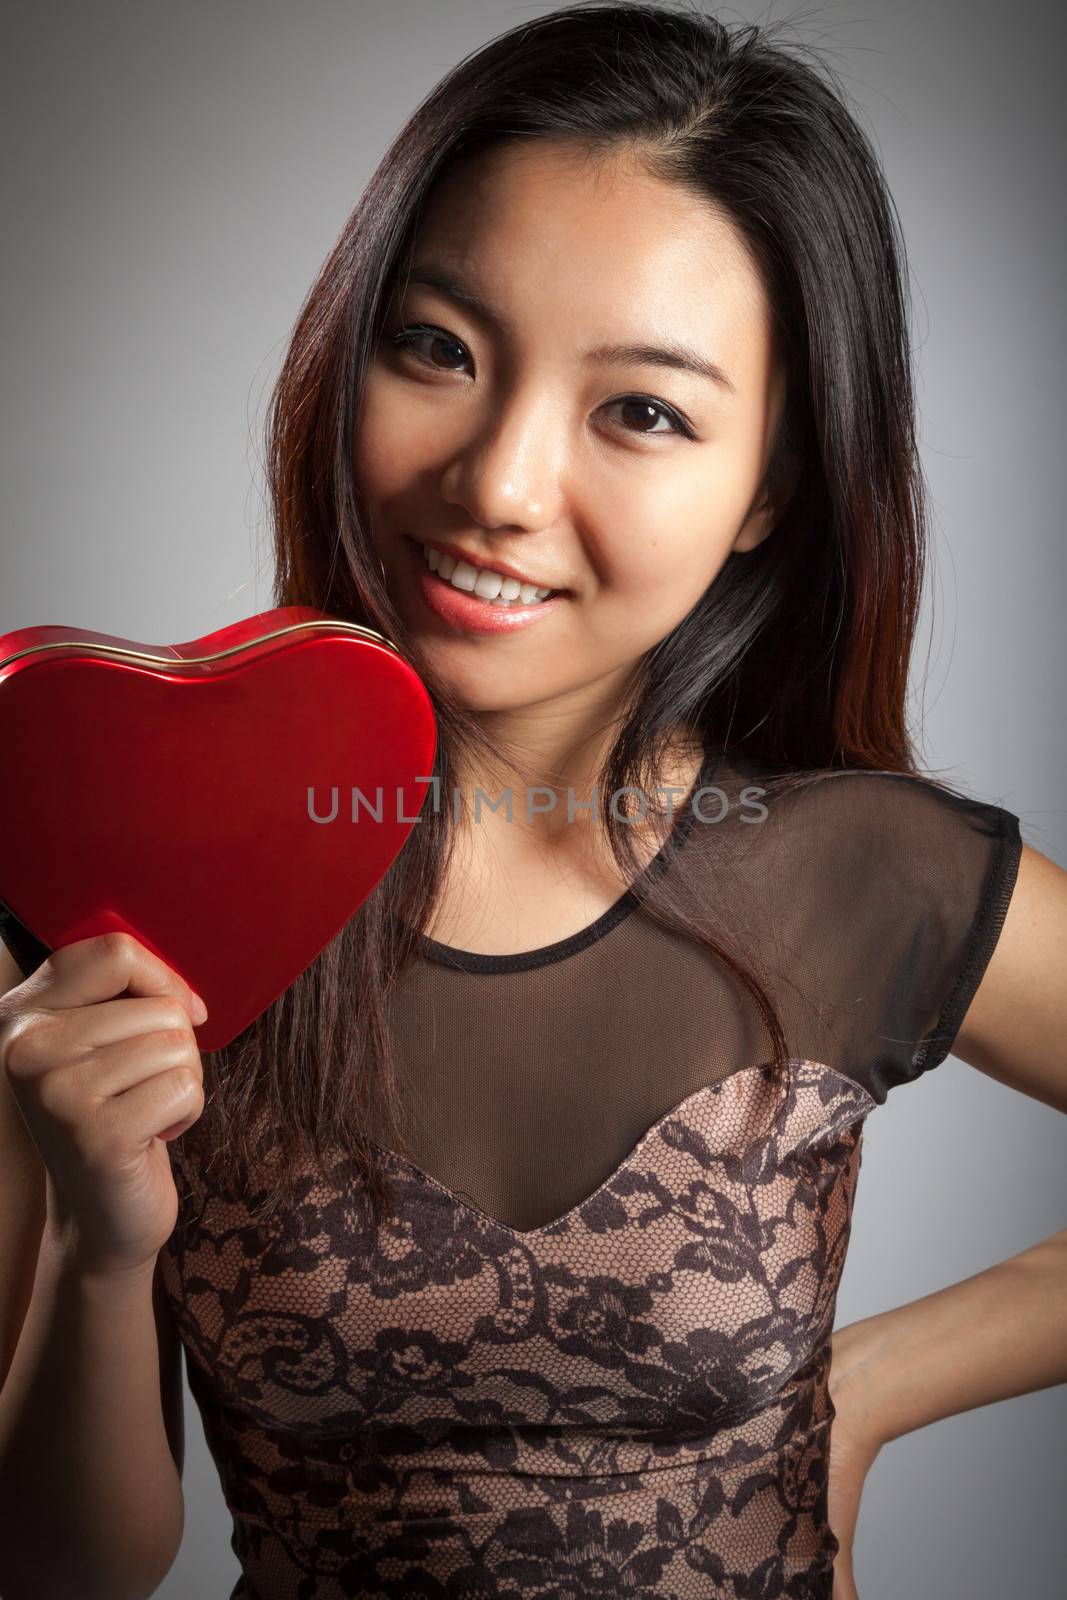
(447, 588)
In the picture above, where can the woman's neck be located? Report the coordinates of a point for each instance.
(519, 885)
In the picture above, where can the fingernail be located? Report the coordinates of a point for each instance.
(199, 1010)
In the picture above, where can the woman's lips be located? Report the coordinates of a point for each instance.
(467, 613)
(459, 554)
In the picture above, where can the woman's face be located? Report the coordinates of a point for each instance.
(511, 435)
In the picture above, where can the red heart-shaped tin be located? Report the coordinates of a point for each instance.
(231, 801)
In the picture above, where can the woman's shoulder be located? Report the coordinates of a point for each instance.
(871, 813)
(885, 850)
(876, 897)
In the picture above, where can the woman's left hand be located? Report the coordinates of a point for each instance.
(854, 1446)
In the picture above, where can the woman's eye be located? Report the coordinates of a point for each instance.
(408, 337)
(642, 407)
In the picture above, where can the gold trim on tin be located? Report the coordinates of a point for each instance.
(113, 650)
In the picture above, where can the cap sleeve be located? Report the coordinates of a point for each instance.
(937, 874)
(882, 898)
(977, 848)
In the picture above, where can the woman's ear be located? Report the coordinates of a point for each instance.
(757, 526)
(781, 477)
(779, 485)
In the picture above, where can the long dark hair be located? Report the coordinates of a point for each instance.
(797, 654)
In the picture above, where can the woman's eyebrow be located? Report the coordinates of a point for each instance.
(680, 357)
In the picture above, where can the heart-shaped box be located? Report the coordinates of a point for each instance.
(231, 802)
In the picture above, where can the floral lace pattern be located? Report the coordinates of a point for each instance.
(632, 1399)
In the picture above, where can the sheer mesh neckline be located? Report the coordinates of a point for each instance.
(560, 949)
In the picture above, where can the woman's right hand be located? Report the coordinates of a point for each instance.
(103, 1078)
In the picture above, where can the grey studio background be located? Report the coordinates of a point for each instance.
(173, 175)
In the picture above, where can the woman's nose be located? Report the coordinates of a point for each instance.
(509, 476)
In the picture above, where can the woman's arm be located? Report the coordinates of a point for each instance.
(91, 1499)
(1015, 1029)
(91, 1438)
(1002, 1332)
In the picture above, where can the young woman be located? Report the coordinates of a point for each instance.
(505, 1247)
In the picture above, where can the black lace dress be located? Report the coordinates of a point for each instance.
(587, 1354)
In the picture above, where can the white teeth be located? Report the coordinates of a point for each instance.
(490, 586)
(464, 576)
